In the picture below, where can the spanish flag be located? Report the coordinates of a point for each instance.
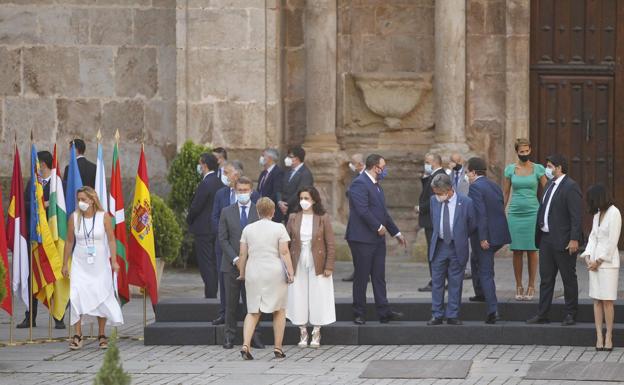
(142, 256)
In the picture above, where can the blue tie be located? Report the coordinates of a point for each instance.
(232, 196)
(456, 179)
(446, 225)
(243, 219)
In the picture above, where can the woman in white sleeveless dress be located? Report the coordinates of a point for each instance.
(92, 291)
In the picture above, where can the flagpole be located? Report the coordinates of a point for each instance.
(51, 306)
(32, 278)
(12, 293)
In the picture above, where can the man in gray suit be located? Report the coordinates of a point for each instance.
(233, 220)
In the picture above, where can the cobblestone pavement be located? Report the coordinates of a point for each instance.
(52, 363)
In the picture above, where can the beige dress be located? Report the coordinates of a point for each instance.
(265, 282)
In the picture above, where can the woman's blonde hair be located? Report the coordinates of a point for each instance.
(522, 142)
(265, 207)
(91, 194)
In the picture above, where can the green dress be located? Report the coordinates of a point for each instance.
(522, 210)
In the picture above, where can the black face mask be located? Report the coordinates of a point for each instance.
(523, 158)
(457, 167)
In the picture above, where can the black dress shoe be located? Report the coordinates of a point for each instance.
(477, 298)
(359, 321)
(568, 320)
(228, 343)
(349, 278)
(492, 318)
(454, 321)
(256, 342)
(425, 288)
(26, 324)
(538, 320)
(435, 321)
(220, 320)
(59, 324)
(392, 316)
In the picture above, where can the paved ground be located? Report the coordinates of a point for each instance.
(52, 362)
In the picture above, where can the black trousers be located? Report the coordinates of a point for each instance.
(207, 263)
(234, 292)
(551, 261)
(428, 235)
(370, 261)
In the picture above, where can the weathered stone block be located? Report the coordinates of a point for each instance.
(362, 21)
(160, 122)
(111, 26)
(475, 17)
(127, 3)
(485, 54)
(404, 20)
(80, 118)
(96, 72)
(295, 74)
(127, 116)
(200, 123)
(241, 123)
(24, 114)
(517, 53)
(294, 27)
(10, 82)
(224, 28)
(63, 25)
(167, 72)
(50, 71)
(517, 101)
(232, 74)
(164, 3)
(412, 53)
(136, 72)
(495, 17)
(487, 97)
(155, 27)
(18, 25)
(375, 52)
(518, 17)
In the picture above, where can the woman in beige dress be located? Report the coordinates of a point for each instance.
(603, 260)
(266, 267)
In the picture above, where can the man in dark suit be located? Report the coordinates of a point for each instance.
(453, 221)
(492, 234)
(232, 221)
(225, 197)
(199, 219)
(271, 179)
(221, 155)
(86, 168)
(369, 221)
(298, 177)
(357, 167)
(433, 167)
(559, 230)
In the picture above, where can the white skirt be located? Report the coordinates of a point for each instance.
(603, 284)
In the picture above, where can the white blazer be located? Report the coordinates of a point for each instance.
(603, 239)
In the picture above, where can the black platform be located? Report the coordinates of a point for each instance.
(188, 322)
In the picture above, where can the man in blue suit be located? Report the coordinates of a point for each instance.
(271, 179)
(453, 221)
(492, 234)
(369, 221)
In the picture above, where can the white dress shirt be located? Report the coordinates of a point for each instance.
(554, 187)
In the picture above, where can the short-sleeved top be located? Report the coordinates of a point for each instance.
(524, 188)
(263, 237)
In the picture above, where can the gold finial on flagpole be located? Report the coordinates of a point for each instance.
(99, 136)
(32, 138)
(117, 135)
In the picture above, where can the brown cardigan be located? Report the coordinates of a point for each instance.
(323, 245)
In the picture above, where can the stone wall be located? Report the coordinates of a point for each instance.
(70, 68)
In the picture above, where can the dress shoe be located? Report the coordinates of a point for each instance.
(538, 320)
(228, 343)
(59, 324)
(454, 321)
(220, 320)
(349, 278)
(392, 316)
(568, 320)
(359, 320)
(435, 321)
(256, 342)
(425, 288)
(26, 324)
(477, 298)
(492, 318)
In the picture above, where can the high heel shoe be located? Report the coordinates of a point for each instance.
(530, 293)
(599, 348)
(303, 341)
(279, 353)
(608, 348)
(519, 293)
(316, 338)
(245, 353)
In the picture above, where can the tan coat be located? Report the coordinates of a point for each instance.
(323, 245)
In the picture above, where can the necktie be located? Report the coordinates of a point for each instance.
(264, 176)
(232, 196)
(446, 225)
(243, 218)
(292, 173)
(542, 210)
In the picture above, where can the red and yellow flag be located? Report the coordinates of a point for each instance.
(142, 256)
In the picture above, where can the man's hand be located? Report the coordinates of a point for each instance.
(572, 247)
(327, 273)
(283, 206)
(485, 244)
(402, 241)
(382, 231)
(237, 264)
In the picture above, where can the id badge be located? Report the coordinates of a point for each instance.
(90, 255)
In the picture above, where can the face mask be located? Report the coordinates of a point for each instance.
(262, 161)
(384, 174)
(199, 169)
(352, 167)
(288, 161)
(466, 178)
(523, 158)
(243, 199)
(440, 198)
(225, 180)
(305, 204)
(549, 173)
(83, 206)
(457, 167)
(428, 168)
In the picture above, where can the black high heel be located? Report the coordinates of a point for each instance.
(600, 348)
(279, 353)
(245, 353)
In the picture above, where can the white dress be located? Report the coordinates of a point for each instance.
(311, 296)
(603, 244)
(265, 282)
(92, 291)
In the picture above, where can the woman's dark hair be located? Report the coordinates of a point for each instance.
(317, 207)
(598, 198)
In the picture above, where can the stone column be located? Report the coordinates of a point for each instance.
(450, 75)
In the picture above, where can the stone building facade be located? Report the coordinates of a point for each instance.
(398, 77)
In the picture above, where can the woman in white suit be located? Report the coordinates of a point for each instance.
(603, 260)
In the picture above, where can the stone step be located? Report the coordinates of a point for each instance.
(394, 333)
(205, 310)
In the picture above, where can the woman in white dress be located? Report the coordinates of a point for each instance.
(313, 252)
(266, 267)
(92, 291)
(603, 260)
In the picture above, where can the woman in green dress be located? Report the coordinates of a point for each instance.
(521, 184)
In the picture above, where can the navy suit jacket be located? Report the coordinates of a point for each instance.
(367, 211)
(464, 224)
(487, 198)
(290, 188)
(199, 217)
(273, 183)
(221, 201)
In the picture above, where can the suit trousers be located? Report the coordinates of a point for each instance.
(551, 261)
(369, 260)
(207, 263)
(234, 290)
(222, 294)
(482, 265)
(446, 266)
(428, 235)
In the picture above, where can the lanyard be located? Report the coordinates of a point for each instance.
(89, 234)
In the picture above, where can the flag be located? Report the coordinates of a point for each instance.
(57, 221)
(74, 181)
(46, 261)
(17, 234)
(142, 256)
(7, 303)
(116, 210)
(100, 179)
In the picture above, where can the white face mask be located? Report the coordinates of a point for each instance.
(441, 198)
(225, 180)
(243, 199)
(549, 173)
(288, 161)
(199, 169)
(352, 167)
(262, 161)
(428, 168)
(305, 204)
(466, 178)
(83, 206)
